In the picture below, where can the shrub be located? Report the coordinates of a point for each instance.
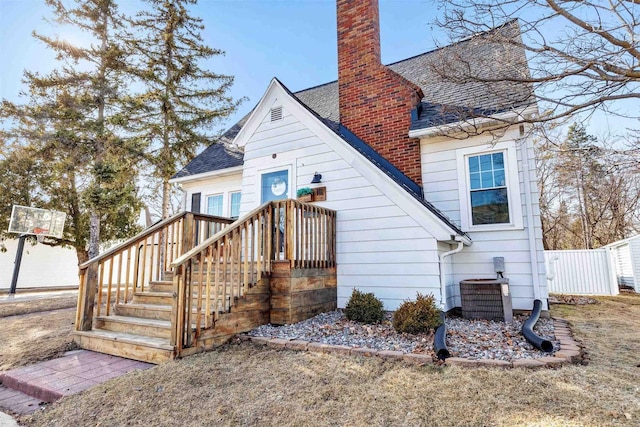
(419, 316)
(364, 308)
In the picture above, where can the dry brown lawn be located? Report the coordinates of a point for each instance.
(33, 331)
(13, 308)
(246, 384)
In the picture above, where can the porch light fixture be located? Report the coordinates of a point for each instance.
(317, 178)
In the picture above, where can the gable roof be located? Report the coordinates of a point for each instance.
(413, 189)
(216, 156)
(445, 101)
(362, 158)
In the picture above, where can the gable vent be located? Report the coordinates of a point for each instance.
(276, 113)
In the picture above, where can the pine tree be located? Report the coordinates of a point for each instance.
(182, 101)
(72, 126)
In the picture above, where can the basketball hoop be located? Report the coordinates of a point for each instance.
(39, 222)
(40, 233)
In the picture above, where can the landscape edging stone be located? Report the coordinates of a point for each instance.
(569, 352)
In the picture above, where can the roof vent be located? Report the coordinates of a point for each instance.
(276, 113)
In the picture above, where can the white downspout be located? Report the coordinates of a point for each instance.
(530, 231)
(443, 285)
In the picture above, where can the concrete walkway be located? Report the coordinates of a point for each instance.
(7, 420)
(36, 295)
(24, 389)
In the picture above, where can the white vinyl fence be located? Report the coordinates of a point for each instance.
(42, 266)
(581, 272)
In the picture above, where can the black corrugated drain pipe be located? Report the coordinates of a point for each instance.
(527, 329)
(440, 340)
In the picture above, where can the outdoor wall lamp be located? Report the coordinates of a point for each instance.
(317, 178)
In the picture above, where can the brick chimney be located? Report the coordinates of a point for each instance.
(375, 102)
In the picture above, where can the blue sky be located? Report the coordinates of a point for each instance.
(294, 40)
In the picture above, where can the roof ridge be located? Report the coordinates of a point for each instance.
(464, 40)
(313, 87)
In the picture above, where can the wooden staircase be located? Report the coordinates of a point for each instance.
(138, 330)
(141, 329)
(192, 282)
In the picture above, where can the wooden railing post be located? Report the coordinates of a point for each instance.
(89, 297)
(289, 232)
(188, 233)
(175, 333)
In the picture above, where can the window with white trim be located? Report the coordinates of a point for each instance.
(234, 203)
(214, 205)
(489, 188)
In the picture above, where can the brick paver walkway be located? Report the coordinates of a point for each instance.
(17, 402)
(53, 379)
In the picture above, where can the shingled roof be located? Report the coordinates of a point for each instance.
(445, 100)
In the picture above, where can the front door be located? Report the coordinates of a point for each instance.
(275, 186)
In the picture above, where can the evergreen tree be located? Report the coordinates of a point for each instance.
(182, 101)
(71, 130)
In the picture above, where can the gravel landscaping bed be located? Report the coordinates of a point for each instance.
(472, 339)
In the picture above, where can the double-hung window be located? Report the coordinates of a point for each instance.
(214, 205)
(234, 202)
(489, 188)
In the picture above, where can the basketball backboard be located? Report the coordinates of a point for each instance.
(42, 222)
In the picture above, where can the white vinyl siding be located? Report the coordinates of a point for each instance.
(385, 240)
(441, 180)
(225, 185)
(380, 248)
(626, 261)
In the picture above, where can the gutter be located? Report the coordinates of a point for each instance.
(443, 285)
(205, 175)
(510, 118)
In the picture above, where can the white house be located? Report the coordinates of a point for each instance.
(419, 205)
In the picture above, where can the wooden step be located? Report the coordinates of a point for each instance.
(164, 286)
(155, 298)
(134, 325)
(165, 298)
(161, 286)
(159, 312)
(131, 346)
(143, 311)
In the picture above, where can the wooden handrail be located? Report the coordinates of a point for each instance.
(147, 232)
(189, 254)
(148, 256)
